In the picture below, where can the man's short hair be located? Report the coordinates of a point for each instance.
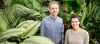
(53, 2)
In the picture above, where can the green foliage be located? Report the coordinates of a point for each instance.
(37, 40)
(6, 42)
(3, 23)
(9, 33)
(90, 16)
(31, 27)
(73, 5)
(21, 19)
(15, 14)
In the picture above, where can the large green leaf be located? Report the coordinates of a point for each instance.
(10, 33)
(12, 2)
(16, 13)
(37, 40)
(26, 24)
(6, 42)
(35, 5)
(30, 26)
(3, 22)
(7, 2)
(19, 10)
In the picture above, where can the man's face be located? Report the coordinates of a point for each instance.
(54, 9)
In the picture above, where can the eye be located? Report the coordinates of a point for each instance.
(56, 8)
(72, 22)
(52, 8)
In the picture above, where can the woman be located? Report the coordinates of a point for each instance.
(76, 35)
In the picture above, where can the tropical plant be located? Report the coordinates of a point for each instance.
(37, 40)
(90, 16)
(21, 19)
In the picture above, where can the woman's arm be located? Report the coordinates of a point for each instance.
(86, 39)
(66, 38)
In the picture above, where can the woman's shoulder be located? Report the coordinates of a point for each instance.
(68, 31)
(84, 31)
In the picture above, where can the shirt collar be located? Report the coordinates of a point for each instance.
(52, 18)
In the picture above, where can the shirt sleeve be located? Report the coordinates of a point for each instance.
(66, 38)
(86, 39)
(42, 28)
(62, 33)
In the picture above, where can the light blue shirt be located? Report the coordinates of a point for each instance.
(52, 29)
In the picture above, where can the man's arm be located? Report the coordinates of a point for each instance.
(62, 32)
(42, 28)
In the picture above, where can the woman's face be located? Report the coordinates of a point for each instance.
(75, 23)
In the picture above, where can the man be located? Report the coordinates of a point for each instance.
(52, 25)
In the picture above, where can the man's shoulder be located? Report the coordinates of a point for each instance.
(59, 18)
(68, 30)
(45, 18)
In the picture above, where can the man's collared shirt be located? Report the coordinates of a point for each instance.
(52, 29)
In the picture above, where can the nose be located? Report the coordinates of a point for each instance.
(55, 9)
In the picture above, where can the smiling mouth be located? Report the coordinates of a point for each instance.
(74, 25)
